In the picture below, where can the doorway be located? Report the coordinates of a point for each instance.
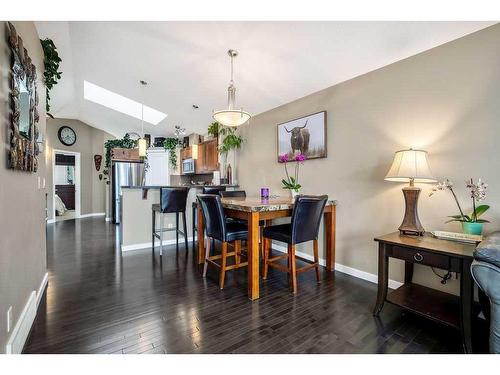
(66, 185)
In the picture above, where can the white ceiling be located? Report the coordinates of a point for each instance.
(185, 63)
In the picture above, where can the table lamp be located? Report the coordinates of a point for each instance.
(410, 166)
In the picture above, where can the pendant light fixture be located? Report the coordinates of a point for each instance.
(231, 116)
(142, 143)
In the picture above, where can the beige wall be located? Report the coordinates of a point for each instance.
(22, 203)
(89, 142)
(446, 101)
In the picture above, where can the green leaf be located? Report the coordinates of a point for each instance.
(482, 221)
(455, 216)
(452, 220)
(481, 209)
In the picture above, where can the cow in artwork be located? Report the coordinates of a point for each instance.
(299, 138)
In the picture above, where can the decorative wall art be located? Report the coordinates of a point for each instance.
(23, 130)
(305, 135)
(97, 162)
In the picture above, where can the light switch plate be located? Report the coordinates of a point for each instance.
(9, 319)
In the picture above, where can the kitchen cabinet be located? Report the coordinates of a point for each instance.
(186, 153)
(208, 157)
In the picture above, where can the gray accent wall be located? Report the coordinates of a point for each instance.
(445, 100)
(89, 142)
(22, 203)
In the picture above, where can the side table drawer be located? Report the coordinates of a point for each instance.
(421, 257)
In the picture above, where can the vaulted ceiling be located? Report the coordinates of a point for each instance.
(185, 63)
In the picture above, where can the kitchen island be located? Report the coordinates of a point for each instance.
(135, 228)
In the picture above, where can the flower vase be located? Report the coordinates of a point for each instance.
(294, 193)
(472, 228)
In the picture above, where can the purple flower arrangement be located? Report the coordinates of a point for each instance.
(292, 181)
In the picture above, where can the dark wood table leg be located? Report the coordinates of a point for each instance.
(329, 221)
(201, 237)
(466, 301)
(383, 278)
(408, 272)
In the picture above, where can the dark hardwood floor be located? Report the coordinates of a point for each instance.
(99, 301)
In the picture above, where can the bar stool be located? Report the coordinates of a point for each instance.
(206, 190)
(217, 227)
(304, 227)
(172, 200)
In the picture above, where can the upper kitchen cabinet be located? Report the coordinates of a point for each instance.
(208, 157)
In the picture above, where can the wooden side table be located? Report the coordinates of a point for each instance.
(439, 306)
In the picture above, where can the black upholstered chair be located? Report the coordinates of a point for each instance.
(217, 227)
(172, 200)
(213, 189)
(304, 227)
(233, 194)
(206, 190)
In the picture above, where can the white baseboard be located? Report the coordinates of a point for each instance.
(50, 221)
(92, 214)
(393, 284)
(22, 328)
(41, 289)
(147, 245)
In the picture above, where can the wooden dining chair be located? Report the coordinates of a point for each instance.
(304, 227)
(219, 228)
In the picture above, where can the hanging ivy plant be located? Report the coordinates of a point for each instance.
(170, 144)
(51, 74)
(125, 142)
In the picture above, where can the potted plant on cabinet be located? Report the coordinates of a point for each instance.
(471, 223)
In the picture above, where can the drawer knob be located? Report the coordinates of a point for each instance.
(418, 257)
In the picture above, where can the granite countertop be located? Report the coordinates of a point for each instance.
(174, 186)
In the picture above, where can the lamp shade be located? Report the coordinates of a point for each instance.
(410, 165)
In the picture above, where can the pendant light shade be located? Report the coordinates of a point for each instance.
(142, 147)
(231, 116)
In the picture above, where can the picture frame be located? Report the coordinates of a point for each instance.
(305, 135)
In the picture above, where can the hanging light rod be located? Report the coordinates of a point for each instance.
(231, 116)
(142, 143)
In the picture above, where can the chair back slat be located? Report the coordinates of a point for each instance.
(214, 216)
(213, 189)
(173, 199)
(233, 194)
(306, 217)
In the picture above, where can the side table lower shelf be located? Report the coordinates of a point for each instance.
(436, 305)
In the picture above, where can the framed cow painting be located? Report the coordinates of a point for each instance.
(305, 135)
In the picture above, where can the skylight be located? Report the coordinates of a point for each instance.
(120, 103)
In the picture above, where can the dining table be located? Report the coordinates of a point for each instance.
(255, 210)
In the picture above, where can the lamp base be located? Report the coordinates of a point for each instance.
(411, 223)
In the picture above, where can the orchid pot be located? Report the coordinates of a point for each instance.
(294, 193)
(472, 228)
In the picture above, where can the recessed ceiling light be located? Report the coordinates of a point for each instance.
(117, 102)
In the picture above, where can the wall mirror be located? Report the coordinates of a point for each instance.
(23, 131)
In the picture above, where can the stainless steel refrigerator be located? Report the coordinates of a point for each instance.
(124, 174)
